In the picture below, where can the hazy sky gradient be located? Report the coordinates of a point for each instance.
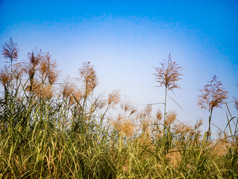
(124, 40)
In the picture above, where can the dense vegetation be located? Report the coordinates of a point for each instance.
(52, 130)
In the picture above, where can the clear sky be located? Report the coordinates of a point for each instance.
(124, 40)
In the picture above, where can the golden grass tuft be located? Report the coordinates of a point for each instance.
(220, 148)
(47, 68)
(174, 157)
(5, 76)
(88, 75)
(125, 127)
(18, 71)
(182, 129)
(70, 91)
(159, 115)
(170, 118)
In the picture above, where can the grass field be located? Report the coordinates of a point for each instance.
(50, 130)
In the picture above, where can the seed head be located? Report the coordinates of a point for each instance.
(170, 118)
(114, 98)
(17, 71)
(126, 106)
(5, 76)
(125, 126)
(220, 148)
(182, 129)
(133, 111)
(148, 109)
(168, 74)
(70, 92)
(10, 50)
(198, 124)
(213, 95)
(47, 68)
(89, 77)
(145, 125)
(46, 92)
(34, 59)
(159, 115)
(174, 157)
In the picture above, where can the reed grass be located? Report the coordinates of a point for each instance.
(51, 132)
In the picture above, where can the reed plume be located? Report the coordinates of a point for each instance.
(125, 127)
(18, 71)
(170, 118)
(113, 98)
(71, 93)
(213, 96)
(174, 157)
(88, 75)
(5, 76)
(31, 69)
(47, 68)
(159, 115)
(167, 75)
(10, 50)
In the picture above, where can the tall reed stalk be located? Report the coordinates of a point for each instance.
(213, 96)
(167, 75)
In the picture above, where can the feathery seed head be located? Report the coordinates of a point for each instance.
(159, 115)
(220, 148)
(126, 106)
(145, 125)
(133, 111)
(182, 129)
(174, 157)
(102, 104)
(70, 92)
(114, 98)
(5, 76)
(170, 118)
(213, 95)
(125, 127)
(34, 59)
(47, 68)
(41, 91)
(10, 50)
(88, 75)
(168, 74)
(198, 124)
(17, 71)
(148, 109)
(46, 92)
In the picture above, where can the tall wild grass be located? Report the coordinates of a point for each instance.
(52, 130)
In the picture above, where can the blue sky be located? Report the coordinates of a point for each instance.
(124, 40)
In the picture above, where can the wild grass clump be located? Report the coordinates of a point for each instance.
(49, 130)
